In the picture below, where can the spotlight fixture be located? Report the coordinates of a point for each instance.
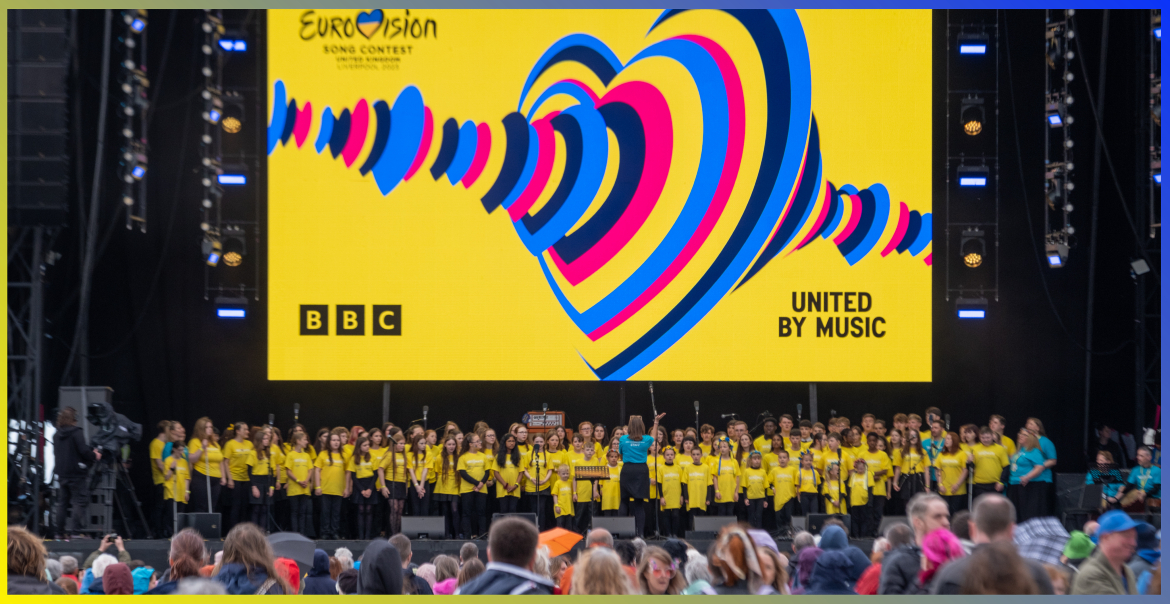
(136, 20)
(212, 249)
(231, 307)
(972, 247)
(972, 115)
(1056, 112)
(234, 248)
(230, 45)
(233, 113)
(1139, 267)
(1056, 250)
(973, 44)
(972, 176)
(971, 308)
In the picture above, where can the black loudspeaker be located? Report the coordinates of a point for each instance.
(889, 521)
(529, 517)
(713, 524)
(208, 525)
(424, 527)
(817, 521)
(618, 526)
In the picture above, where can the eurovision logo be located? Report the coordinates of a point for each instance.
(789, 203)
(367, 24)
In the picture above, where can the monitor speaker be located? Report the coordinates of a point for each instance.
(424, 527)
(529, 517)
(618, 526)
(208, 525)
(713, 524)
(817, 521)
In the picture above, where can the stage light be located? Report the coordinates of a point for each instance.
(972, 176)
(1158, 178)
(229, 45)
(138, 172)
(232, 179)
(234, 248)
(973, 44)
(138, 25)
(1139, 267)
(972, 115)
(229, 307)
(1057, 252)
(972, 247)
(971, 308)
(1158, 32)
(233, 113)
(1054, 120)
(212, 249)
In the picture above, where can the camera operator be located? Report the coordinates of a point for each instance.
(107, 541)
(73, 460)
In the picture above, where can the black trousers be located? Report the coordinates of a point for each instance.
(784, 517)
(583, 516)
(315, 527)
(956, 503)
(301, 513)
(241, 509)
(72, 492)
(473, 519)
(859, 520)
(509, 505)
(418, 506)
(810, 503)
(541, 504)
(980, 489)
(330, 516)
(755, 513)
(877, 511)
(671, 522)
(198, 501)
(565, 522)
(726, 508)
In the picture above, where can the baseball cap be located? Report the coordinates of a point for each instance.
(1116, 521)
(1078, 547)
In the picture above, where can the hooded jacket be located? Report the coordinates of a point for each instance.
(381, 570)
(142, 576)
(95, 587)
(900, 569)
(288, 569)
(118, 580)
(319, 583)
(834, 538)
(500, 579)
(20, 585)
(73, 455)
(235, 579)
(830, 575)
(1145, 561)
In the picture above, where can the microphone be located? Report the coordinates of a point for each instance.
(947, 418)
(799, 410)
(545, 407)
(727, 415)
(651, 387)
(696, 406)
(425, 409)
(271, 419)
(296, 412)
(833, 412)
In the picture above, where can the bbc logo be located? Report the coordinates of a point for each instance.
(351, 319)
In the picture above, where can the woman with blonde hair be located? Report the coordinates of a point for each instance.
(248, 565)
(659, 574)
(599, 572)
(1026, 465)
(209, 469)
(26, 565)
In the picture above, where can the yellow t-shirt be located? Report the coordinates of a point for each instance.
(332, 469)
(584, 485)
(783, 483)
(876, 462)
(446, 484)
(563, 490)
(859, 489)
(913, 462)
(727, 473)
(477, 466)
(237, 454)
(611, 490)
(209, 463)
(706, 449)
(276, 455)
(1008, 444)
(843, 457)
(394, 470)
(651, 464)
(510, 473)
(347, 452)
(950, 466)
(376, 456)
(698, 478)
(754, 482)
(261, 467)
(989, 463)
(895, 459)
(529, 464)
(298, 466)
(418, 464)
(831, 489)
(808, 480)
(361, 468)
(763, 444)
(156, 450)
(178, 482)
(670, 477)
(923, 436)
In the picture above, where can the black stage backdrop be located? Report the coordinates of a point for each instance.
(165, 354)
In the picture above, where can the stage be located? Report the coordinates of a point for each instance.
(154, 552)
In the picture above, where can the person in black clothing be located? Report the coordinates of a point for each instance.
(1105, 442)
(73, 460)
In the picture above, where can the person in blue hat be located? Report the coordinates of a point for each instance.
(1106, 572)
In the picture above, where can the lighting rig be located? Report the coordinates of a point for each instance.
(135, 104)
(211, 152)
(1058, 148)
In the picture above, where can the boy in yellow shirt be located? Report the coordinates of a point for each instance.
(990, 460)
(859, 495)
(755, 485)
(562, 491)
(782, 479)
(670, 478)
(698, 480)
(879, 466)
(584, 490)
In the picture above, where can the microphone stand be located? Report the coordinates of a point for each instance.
(696, 416)
(536, 460)
(654, 440)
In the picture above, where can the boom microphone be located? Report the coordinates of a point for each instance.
(727, 415)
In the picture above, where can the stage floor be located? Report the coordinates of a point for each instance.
(154, 552)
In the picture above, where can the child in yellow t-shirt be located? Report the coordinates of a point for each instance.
(360, 480)
(298, 466)
(670, 479)
(176, 485)
(726, 481)
(329, 483)
(611, 500)
(585, 491)
(782, 479)
(562, 491)
(860, 486)
(755, 485)
(808, 485)
(698, 480)
(833, 491)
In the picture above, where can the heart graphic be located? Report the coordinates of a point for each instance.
(782, 191)
(369, 22)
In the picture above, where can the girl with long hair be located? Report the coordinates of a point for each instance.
(261, 476)
(910, 475)
(394, 473)
(726, 480)
(298, 466)
(360, 483)
(473, 467)
(635, 477)
(378, 451)
(537, 473)
(585, 430)
(743, 450)
(329, 484)
(676, 439)
(417, 464)
(446, 496)
(951, 464)
(1027, 464)
(186, 557)
(506, 470)
(896, 506)
(248, 565)
(237, 449)
(208, 468)
(491, 448)
(598, 439)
